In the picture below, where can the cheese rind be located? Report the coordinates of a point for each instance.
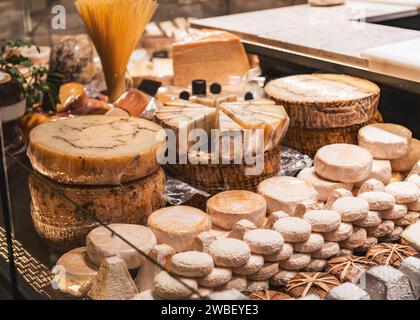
(228, 207)
(385, 140)
(130, 202)
(343, 162)
(322, 186)
(381, 170)
(101, 243)
(210, 55)
(284, 193)
(406, 162)
(178, 226)
(325, 100)
(96, 150)
(74, 272)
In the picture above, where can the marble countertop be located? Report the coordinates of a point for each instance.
(338, 34)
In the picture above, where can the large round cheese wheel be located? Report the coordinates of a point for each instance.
(101, 243)
(130, 202)
(96, 150)
(385, 140)
(74, 272)
(322, 186)
(343, 162)
(228, 207)
(325, 100)
(284, 193)
(406, 162)
(178, 226)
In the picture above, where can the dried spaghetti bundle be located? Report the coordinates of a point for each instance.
(115, 27)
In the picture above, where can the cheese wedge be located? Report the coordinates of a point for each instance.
(213, 100)
(96, 150)
(271, 118)
(319, 101)
(210, 55)
(178, 226)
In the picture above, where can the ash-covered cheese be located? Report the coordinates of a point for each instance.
(325, 100)
(178, 226)
(343, 162)
(284, 193)
(228, 207)
(96, 150)
(102, 243)
(385, 140)
(74, 272)
(322, 186)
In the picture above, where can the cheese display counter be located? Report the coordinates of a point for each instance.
(211, 159)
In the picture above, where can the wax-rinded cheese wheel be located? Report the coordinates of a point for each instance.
(102, 243)
(351, 208)
(264, 241)
(344, 231)
(322, 186)
(314, 243)
(254, 264)
(372, 219)
(130, 202)
(385, 140)
(296, 262)
(268, 270)
(284, 193)
(403, 192)
(178, 226)
(343, 162)
(230, 253)
(337, 194)
(316, 265)
(74, 272)
(406, 162)
(323, 220)
(414, 206)
(357, 239)
(284, 254)
(281, 278)
(240, 228)
(378, 200)
(191, 264)
(167, 287)
(371, 185)
(71, 150)
(216, 278)
(328, 250)
(381, 170)
(325, 100)
(293, 229)
(409, 218)
(396, 212)
(382, 230)
(228, 207)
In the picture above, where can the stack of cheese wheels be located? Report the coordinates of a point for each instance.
(324, 108)
(106, 165)
(246, 131)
